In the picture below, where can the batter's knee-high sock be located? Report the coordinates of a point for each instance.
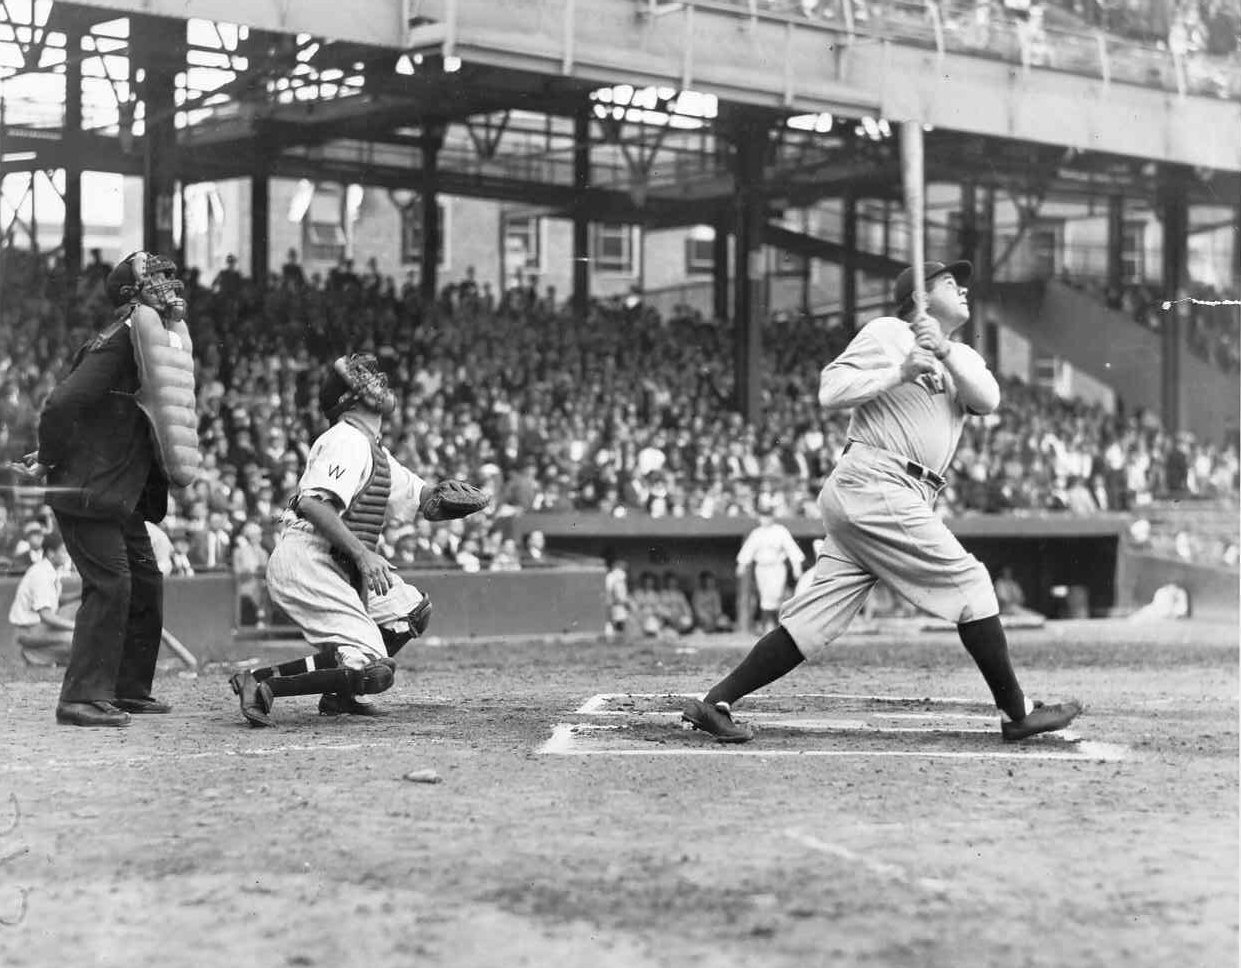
(985, 641)
(321, 660)
(773, 656)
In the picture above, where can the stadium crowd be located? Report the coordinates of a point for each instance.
(622, 412)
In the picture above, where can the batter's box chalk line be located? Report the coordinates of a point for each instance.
(595, 738)
(600, 703)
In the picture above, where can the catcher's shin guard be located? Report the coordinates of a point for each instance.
(418, 621)
(373, 678)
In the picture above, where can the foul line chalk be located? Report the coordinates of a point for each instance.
(889, 872)
(137, 760)
(596, 704)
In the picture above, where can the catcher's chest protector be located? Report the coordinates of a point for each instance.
(165, 358)
(366, 512)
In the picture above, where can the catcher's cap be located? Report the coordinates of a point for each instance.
(961, 271)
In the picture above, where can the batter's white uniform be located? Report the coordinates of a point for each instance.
(876, 510)
(768, 548)
(303, 579)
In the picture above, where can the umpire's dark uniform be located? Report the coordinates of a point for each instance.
(104, 483)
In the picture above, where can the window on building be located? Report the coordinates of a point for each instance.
(523, 243)
(1133, 252)
(700, 251)
(413, 233)
(1046, 248)
(789, 264)
(323, 228)
(612, 248)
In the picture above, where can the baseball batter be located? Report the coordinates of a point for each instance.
(326, 571)
(910, 389)
(771, 550)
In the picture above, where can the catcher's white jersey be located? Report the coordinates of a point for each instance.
(878, 516)
(340, 464)
(301, 575)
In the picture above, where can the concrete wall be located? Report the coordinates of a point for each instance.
(1213, 592)
(559, 600)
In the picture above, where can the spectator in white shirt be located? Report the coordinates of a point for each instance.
(44, 636)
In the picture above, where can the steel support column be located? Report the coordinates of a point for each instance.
(1236, 251)
(749, 297)
(719, 270)
(1115, 245)
(260, 214)
(432, 141)
(985, 228)
(157, 48)
(73, 168)
(967, 248)
(1174, 209)
(848, 273)
(581, 221)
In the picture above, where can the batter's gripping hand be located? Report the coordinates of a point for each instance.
(454, 499)
(928, 335)
(29, 467)
(918, 362)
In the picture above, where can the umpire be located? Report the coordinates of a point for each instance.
(104, 482)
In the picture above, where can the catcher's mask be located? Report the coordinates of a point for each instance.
(144, 277)
(352, 380)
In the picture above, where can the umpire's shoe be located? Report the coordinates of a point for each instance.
(1041, 719)
(256, 698)
(343, 704)
(716, 720)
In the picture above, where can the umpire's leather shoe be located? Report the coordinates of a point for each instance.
(342, 704)
(146, 706)
(716, 720)
(1041, 719)
(90, 714)
(256, 699)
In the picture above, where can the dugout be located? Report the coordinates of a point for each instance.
(1044, 551)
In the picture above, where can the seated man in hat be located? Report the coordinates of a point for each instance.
(30, 548)
(44, 636)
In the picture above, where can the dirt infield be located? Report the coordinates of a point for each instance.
(877, 820)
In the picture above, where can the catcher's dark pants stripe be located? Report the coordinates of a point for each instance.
(116, 634)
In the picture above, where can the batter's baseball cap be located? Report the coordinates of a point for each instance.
(961, 271)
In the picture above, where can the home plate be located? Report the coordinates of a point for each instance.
(821, 724)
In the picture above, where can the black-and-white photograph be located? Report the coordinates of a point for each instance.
(620, 483)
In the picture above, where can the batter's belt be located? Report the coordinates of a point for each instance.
(910, 467)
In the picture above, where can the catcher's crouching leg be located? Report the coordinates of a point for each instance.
(358, 678)
(410, 627)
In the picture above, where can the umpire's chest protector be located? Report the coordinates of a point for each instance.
(165, 358)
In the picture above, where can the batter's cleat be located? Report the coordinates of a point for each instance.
(716, 720)
(256, 698)
(342, 704)
(1041, 719)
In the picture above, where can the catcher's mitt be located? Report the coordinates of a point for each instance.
(454, 499)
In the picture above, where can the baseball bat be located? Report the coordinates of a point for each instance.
(913, 182)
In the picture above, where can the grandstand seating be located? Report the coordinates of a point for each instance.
(622, 412)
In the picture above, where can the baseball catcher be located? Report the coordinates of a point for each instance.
(326, 571)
